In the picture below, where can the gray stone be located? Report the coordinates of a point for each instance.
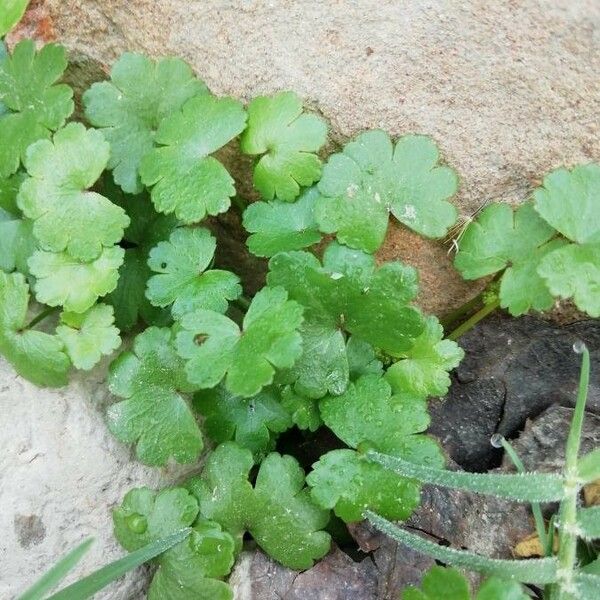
(335, 577)
(513, 370)
(542, 444)
(535, 362)
(61, 472)
(465, 420)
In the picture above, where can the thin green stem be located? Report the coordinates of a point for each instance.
(243, 303)
(450, 320)
(472, 321)
(535, 506)
(566, 588)
(41, 316)
(239, 203)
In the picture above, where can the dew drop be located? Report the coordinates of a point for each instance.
(496, 440)
(579, 347)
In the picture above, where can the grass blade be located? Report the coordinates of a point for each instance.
(88, 586)
(588, 585)
(588, 466)
(536, 509)
(57, 573)
(521, 487)
(588, 520)
(536, 571)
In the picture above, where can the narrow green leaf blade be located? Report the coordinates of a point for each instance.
(589, 522)
(521, 487)
(537, 571)
(588, 467)
(57, 573)
(588, 585)
(88, 586)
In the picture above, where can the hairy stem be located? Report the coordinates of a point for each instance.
(566, 587)
(41, 316)
(521, 487)
(535, 506)
(472, 321)
(537, 570)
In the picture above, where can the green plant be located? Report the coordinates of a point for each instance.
(11, 12)
(450, 584)
(89, 585)
(561, 574)
(286, 139)
(102, 225)
(372, 177)
(544, 249)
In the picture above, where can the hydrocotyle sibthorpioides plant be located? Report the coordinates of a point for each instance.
(105, 225)
(545, 249)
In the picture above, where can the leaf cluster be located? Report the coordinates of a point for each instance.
(451, 584)
(194, 568)
(545, 249)
(111, 226)
(113, 210)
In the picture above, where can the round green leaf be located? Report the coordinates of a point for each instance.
(568, 200)
(515, 240)
(368, 412)
(424, 370)
(280, 226)
(129, 108)
(153, 414)
(288, 140)
(64, 281)
(182, 280)
(187, 181)
(35, 355)
(573, 271)
(12, 11)
(35, 106)
(348, 292)
(88, 336)
(343, 481)
(253, 423)
(66, 216)
(277, 511)
(215, 347)
(372, 178)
